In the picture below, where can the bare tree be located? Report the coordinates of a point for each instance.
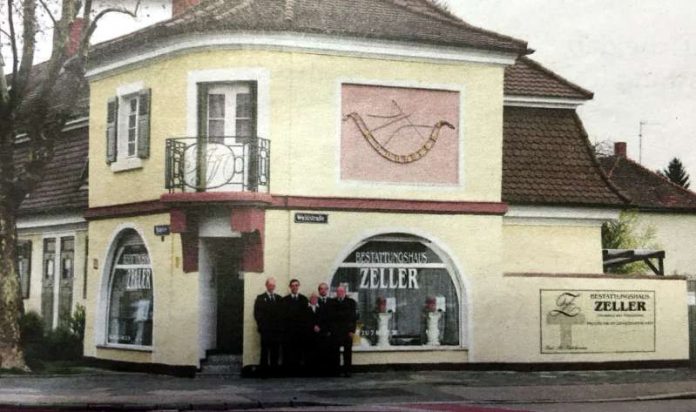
(36, 102)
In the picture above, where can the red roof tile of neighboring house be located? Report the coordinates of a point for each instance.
(63, 187)
(547, 159)
(397, 20)
(529, 78)
(647, 189)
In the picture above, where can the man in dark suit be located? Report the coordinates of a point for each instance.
(294, 307)
(323, 290)
(344, 315)
(313, 329)
(268, 315)
(325, 358)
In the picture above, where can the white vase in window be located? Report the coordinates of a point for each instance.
(433, 330)
(383, 329)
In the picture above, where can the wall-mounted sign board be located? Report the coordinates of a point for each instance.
(597, 321)
(162, 230)
(311, 218)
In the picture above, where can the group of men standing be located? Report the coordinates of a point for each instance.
(311, 332)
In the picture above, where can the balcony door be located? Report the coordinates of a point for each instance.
(226, 147)
(229, 111)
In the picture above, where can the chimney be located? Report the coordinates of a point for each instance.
(75, 36)
(620, 149)
(180, 6)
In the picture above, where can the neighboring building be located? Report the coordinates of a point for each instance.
(661, 206)
(51, 228)
(551, 180)
(241, 140)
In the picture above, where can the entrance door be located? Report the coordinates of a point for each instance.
(48, 282)
(230, 295)
(67, 271)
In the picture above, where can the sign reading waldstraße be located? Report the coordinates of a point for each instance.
(597, 321)
(311, 218)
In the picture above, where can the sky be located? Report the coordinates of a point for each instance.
(637, 56)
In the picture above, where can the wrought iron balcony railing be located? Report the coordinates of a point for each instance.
(217, 164)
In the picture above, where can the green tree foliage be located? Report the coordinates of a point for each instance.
(676, 173)
(626, 233)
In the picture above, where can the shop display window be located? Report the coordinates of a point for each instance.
(405, 291)
(130, 297)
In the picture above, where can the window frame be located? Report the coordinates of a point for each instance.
(57, 262)
(116, 249)
(129, 128)
(446, 263)
(25, 245)
(262, 78)
(126, 159)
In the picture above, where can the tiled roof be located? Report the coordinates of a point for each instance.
(399, 20)
(529, 78)
(647, 189)
(547, 159)
(38, 73)
(62, 188)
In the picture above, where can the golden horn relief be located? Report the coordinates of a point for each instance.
(398, 130)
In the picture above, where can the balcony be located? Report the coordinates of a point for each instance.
(217, 164)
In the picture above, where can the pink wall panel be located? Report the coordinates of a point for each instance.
(387, 135)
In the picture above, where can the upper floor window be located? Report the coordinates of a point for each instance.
(132, 125)
(128, 129)
(227, 109)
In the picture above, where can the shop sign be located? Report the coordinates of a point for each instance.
(311, 218)
(388, 278)
(597, 321)
(139, 279)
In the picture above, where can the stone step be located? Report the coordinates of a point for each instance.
(208, 370)
(221, 364)
(223, 359)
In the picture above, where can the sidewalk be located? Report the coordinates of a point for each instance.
(140, 391)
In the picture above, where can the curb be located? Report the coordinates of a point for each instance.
(182, 406)
(647, 398)
(299, 404)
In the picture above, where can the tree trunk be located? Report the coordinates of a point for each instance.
(11, 304)
(10, 296)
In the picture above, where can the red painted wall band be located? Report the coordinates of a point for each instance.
(181, 200)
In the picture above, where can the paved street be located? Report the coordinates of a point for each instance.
(450, 390)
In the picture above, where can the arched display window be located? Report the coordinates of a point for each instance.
(406, 292)
(129, 315)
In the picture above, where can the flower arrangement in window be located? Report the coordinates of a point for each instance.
(381, 304)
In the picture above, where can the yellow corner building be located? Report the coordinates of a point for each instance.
(382, 145)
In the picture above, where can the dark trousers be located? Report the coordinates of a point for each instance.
(270, 350)
(312, 353)
(292, 353)
(324, 352)
(347, 345)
